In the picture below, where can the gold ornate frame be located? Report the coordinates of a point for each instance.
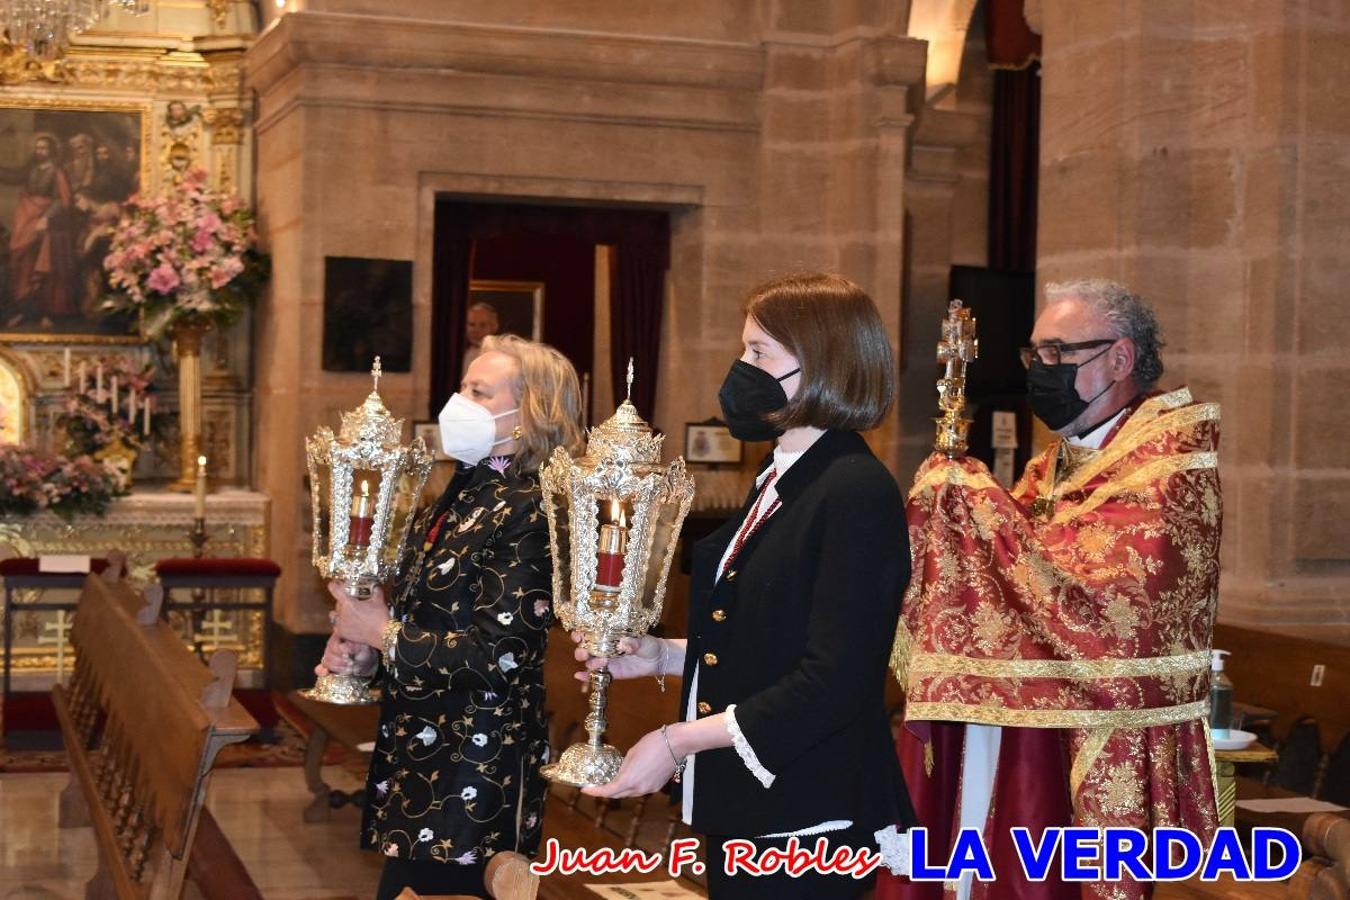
(145, 110)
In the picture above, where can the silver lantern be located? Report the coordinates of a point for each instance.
(614, 518)
(364, 488)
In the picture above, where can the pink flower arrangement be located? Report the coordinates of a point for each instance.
(189, 255)
(34, 480)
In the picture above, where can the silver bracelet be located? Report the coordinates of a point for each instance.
(679, 763)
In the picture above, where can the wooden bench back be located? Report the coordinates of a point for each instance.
(143, 721)
(1275, 671)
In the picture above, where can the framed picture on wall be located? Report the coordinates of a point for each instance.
(710, 442)
(519, 305)
(66, 167)
(430, 433)
(367, 312)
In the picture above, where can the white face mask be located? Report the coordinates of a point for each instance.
(468, 430)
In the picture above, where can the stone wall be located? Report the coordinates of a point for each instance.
(775, 134)
(1198, 152)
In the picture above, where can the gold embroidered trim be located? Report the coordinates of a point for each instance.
(1057, 718)
(1086, 757)
(900, 653)
(1130, 439)
(1140, 479)
(953, 474)
(1213, 765)
(949, 664)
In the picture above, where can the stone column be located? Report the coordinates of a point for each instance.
(1198, 152)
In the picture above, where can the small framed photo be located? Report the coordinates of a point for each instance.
(430, 433)
(710, 442)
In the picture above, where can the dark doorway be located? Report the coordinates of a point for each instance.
(1004, 307)
(552, 246)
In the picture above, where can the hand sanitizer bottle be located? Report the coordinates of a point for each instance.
(1220, 696)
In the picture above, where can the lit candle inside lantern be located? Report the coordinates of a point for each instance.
(613, 544)
(199, 498)
(65, 365)
(360, 520)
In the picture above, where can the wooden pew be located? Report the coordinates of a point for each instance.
(508, 877)
(1325, 873)
(143, 720)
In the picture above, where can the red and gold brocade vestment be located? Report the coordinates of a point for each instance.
(1082, 600)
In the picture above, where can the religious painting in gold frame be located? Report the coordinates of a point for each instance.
(66, 167)
(519, 305)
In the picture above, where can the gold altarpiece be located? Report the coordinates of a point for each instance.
(179, 69)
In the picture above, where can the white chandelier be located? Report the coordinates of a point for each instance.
(43, 28)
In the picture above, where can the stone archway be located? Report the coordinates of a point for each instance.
(943, 25)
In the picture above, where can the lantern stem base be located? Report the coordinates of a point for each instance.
(342, 690)
(582, 765)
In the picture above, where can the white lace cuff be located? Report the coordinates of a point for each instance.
(745, 751)
(895, 849)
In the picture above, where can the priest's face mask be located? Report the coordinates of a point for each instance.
(1070, 366)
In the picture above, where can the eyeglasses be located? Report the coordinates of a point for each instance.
(1051, 354)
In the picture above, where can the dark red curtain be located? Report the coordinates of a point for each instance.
(642, 242)
(1014, 168)
(1014, 158)
(1010, 41)
(452, 261)
(635, 324)
(565, 265)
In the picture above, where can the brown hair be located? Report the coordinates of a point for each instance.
(834, 330)
(549, 397)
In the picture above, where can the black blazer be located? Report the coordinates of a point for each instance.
(797, 634)
(455, 772)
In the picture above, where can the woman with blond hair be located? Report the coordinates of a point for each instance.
(455, 774)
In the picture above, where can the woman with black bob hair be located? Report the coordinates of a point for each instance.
(784, 731)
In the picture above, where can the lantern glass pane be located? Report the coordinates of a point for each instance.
(322, 497)
(561, 508)
(401, 512)
(665, 536)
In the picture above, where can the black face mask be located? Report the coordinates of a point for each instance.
(1052, 395)
(748, 395)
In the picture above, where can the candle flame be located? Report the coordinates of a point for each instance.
(201, 461)
(365, 488)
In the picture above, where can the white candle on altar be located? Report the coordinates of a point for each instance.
(65, 365)
(112, 395)
(98, 383)
(145, 420)
(83, 373)
(199, 498)
(131, 406)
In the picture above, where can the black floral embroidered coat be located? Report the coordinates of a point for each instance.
(455, 775)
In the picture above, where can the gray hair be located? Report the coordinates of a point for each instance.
(483, 306)
(1127, 314)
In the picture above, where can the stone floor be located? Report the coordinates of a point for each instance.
(258, 809)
